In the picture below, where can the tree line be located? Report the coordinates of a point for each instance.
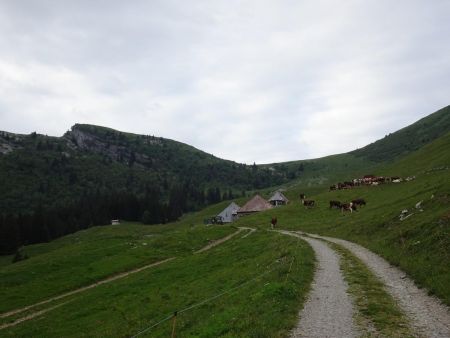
(45, 224)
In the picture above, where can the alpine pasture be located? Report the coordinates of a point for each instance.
(197, 280)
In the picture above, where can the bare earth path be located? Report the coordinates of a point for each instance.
(328, 311)
(104, 281)
(428, 316)
(221, 240)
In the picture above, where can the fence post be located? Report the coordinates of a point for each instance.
(173, 323)
(289, 271)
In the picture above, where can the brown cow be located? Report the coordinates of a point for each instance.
(359, 202)
(348, 207)
(302, 196)
(273, 222)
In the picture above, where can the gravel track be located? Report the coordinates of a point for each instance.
(428, 316)
(328, 311)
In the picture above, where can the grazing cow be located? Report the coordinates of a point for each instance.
(357, 182)
(348, 207)
(381, 179)
(359, 202)
(302, 196)
(308, 203)
(335, 204)
(273, 222)
(332, 187)
(348, 184)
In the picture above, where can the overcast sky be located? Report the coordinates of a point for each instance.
(262, 81)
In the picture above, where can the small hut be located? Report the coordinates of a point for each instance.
(229, 214)
(278, 199)
(256, 204)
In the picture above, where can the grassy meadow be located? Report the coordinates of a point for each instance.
(266, 277)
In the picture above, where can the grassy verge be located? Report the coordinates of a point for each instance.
(377, 313)
(272, 273)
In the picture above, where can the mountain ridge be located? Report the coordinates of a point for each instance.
(93, 174)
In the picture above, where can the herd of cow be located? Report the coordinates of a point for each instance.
(367, 180)
(359, 202)
(350, 206)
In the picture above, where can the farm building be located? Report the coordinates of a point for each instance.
(278, 199)
(257, 203)
(229, 214)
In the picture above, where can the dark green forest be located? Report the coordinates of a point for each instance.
(53, 186)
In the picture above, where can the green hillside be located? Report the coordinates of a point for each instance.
(408, 139)
(312, 176)
(419, 245)
(214, 291)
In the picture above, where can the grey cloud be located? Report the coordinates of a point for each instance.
(257, 81)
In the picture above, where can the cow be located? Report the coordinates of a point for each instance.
(381, 179)
(332, 187)
(273, 222)
(348, 207)
(335, 204)
(308, 203)
(359, 202)
(348, 184)
(357, 182)
(302, 196)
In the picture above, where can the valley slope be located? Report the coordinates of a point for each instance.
(51, 186)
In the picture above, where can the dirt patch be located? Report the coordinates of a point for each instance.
(219, 241)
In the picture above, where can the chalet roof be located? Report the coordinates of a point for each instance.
(229, 210)
(278, 196)
(257, 203)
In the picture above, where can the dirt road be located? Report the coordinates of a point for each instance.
(328, 311)
(427, 315)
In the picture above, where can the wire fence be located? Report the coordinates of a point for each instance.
(245, 283)
(209, 299)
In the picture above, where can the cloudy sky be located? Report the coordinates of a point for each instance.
(260, 81)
